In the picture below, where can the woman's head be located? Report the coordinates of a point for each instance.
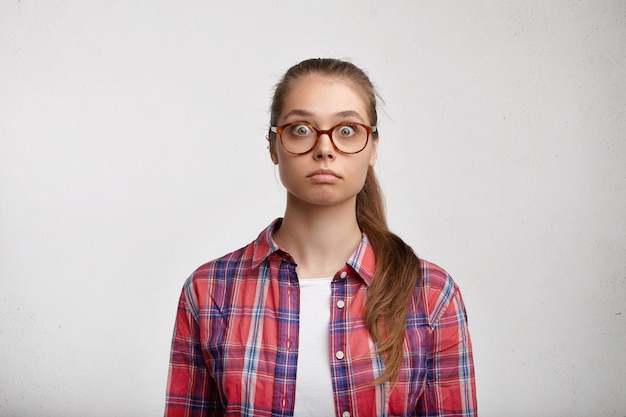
(330, 68)
(369, 200)
(324, 126)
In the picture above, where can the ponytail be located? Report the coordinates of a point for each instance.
(397, 273)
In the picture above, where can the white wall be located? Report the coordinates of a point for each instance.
(132, 150)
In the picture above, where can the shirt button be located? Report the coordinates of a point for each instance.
(339, 354)
(288, 343)
(341, 304)
(345, 414)
(342, 276)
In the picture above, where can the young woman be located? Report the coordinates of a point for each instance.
(326, 313)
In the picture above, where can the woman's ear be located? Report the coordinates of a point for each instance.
(374, 152)
(272, 149)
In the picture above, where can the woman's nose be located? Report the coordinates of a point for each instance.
(325, 147)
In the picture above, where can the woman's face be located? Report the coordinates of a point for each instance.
(323, 176)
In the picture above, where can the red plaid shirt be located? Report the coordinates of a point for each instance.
(235, 344)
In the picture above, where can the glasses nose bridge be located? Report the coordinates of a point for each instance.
(327, 132)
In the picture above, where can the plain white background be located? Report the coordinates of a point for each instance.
(132, 150)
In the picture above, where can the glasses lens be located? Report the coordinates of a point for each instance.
(350, 137)
(298, 138)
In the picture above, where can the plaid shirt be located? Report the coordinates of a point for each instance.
(235, 344)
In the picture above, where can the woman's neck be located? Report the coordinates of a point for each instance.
(320, 238)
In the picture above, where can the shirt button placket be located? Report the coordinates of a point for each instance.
(340, 354)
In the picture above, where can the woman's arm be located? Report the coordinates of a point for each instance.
(191, 390)
(450, 386)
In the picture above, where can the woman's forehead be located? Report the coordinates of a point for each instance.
(320, 95)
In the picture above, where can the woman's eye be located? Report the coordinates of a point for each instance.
(301, 130)
(346, 130)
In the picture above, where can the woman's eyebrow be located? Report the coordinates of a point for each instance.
(298, 112)
(350, 113)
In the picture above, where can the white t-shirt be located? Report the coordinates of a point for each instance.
(314, 389)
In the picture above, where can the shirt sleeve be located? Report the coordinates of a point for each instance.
(450, 389)
(191, 391)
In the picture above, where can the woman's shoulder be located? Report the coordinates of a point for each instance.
(224, 267)
(223, 263)
(437, 289)
(208, 284)
(434, 276)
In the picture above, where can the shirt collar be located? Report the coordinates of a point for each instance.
(264, 244)
(362, 261)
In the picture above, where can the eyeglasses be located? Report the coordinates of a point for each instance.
(301, 138)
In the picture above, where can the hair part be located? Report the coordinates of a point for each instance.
(397, 267)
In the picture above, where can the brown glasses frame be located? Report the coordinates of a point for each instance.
(319, 132)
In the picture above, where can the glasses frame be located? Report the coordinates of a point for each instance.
(319, 132)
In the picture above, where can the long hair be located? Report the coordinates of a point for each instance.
(397, 267)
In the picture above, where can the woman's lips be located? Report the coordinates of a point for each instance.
(324, 176)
